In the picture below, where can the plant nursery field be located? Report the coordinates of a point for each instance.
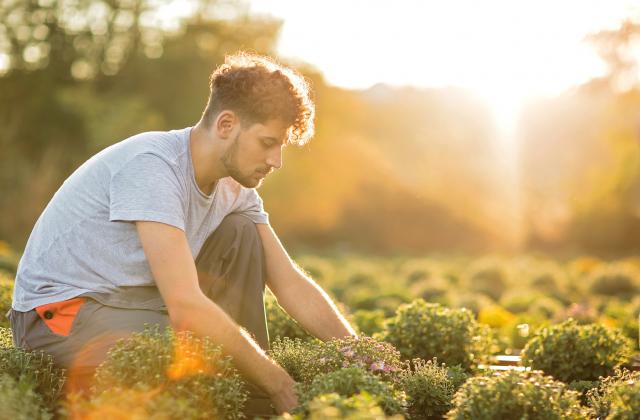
(431, 329)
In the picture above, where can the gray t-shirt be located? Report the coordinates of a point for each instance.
(85, 241)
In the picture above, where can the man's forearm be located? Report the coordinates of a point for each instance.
(308, 304)
(205, 318)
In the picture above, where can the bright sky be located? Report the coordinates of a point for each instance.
(507, 52)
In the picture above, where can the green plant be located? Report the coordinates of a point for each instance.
(427, 330)
(623, 315)
(430, 388)
(546, 307)
(138, 402)
(515, 395)
(294, 356)
(571, 352)
(551, 280)
(619, 393)
(6, 295)
(375, 299)
(621, 280)
(369, 322)
(519, 301)
(180, 367)
(489, 280)
(582, 388)
(625, 402)
(432, 290)
(360, 406)
(280, 324)
(474, 302)
(318, 268)
(545, 282)
(6, 337)
(418, 270)
(20, 401)
(8, 259)
(37, 370)
(306, 360)
(351, 381)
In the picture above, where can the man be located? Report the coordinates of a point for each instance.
(167, 228)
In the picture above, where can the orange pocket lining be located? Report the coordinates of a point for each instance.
(59, 316)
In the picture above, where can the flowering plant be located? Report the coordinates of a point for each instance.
(427, 330)
(572, 352)
(168, 369)
(516, 395)
(351, 381)
(305, 360)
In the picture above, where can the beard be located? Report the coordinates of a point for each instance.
(230, 161)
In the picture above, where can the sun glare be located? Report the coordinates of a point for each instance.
(506, 52)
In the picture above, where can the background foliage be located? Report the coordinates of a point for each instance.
(390, 170)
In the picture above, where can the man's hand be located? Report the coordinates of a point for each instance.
(174, 271)
(284, 399)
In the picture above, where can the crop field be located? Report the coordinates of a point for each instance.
(433, 331)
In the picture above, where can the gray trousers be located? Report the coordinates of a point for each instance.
(230, 272)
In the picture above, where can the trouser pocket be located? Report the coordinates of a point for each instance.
(48, 326)
(59, 317)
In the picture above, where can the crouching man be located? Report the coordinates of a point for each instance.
(167, 228)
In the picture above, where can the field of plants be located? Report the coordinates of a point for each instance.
(431, 329)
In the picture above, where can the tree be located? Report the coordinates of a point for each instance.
(76, 76)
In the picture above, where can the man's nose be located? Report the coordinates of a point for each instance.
(275, 158)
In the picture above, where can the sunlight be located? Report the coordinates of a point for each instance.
(507, 52)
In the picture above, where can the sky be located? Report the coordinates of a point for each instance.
(506, 52)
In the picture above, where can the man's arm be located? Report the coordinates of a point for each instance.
(174, 271)
(299, 295)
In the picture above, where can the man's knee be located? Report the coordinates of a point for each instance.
(237, 225)
(235, 231)
(231, 258)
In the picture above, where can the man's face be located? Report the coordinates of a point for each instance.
(255, 152)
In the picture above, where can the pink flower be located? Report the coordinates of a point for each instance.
(347, 352)
(377, 366)
(388, 369)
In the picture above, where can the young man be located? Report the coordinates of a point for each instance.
(166, 228)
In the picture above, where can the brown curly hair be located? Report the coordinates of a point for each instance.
(258, 89)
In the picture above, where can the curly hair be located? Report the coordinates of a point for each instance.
(258, 89)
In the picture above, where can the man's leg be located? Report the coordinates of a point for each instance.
(231, 273)
(95, 329)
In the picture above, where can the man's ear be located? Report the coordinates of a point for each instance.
(225, 123)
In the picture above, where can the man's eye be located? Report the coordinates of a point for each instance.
(267, 143)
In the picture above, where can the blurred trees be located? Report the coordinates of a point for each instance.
(80, 75)
(390, 169)
(581, 157)
(387, 171)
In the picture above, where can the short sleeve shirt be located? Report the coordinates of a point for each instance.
(85, 240)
